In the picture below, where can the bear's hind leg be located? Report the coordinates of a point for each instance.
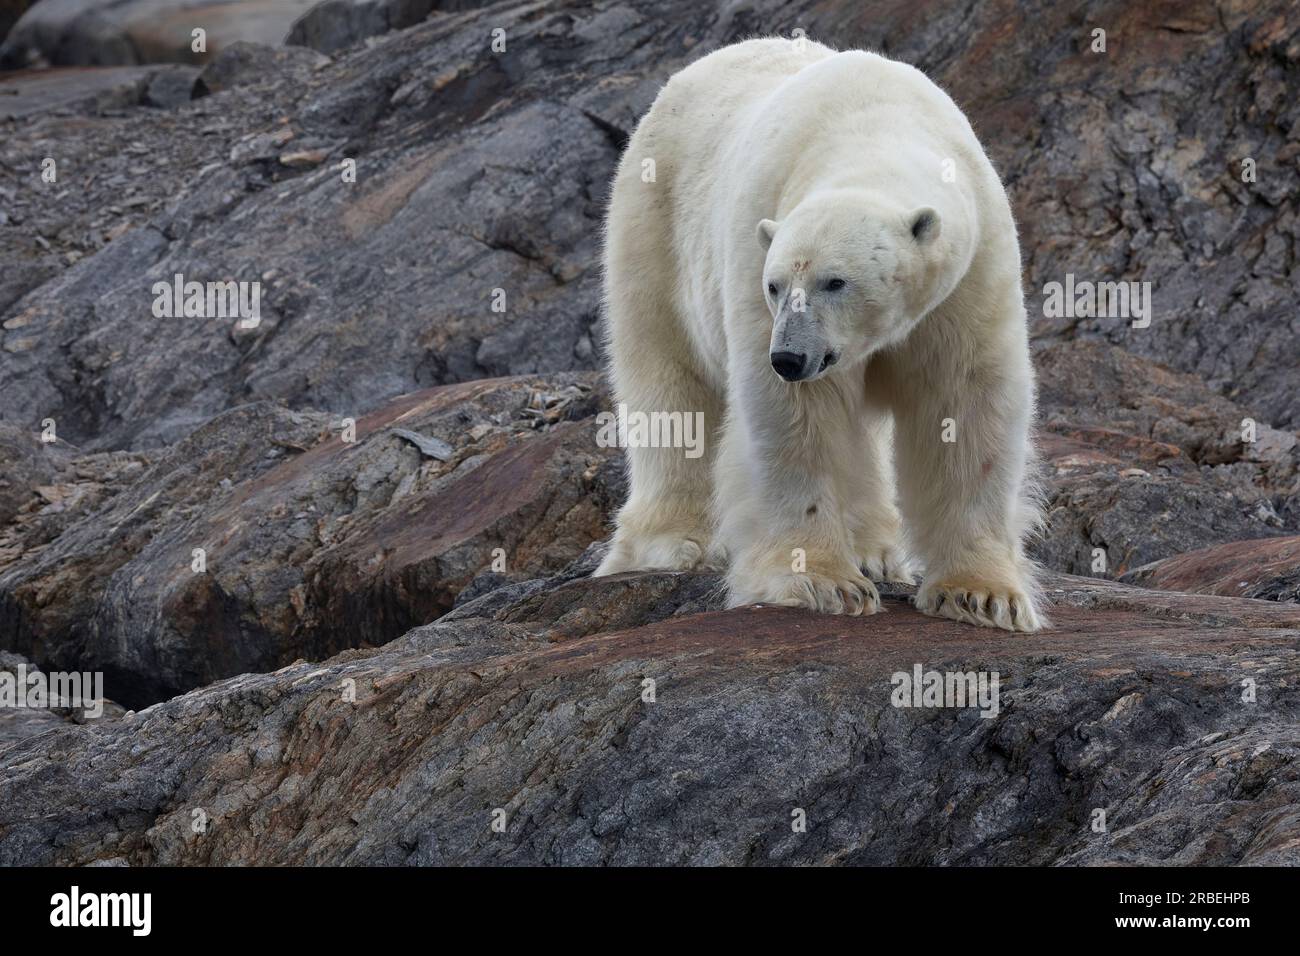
(661, 388)
(665, 523)
(669, 408)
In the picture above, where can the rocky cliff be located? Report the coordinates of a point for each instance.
(336, 561)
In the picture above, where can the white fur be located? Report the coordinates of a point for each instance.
(787, 163)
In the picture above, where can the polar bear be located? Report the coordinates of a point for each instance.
(811, 248)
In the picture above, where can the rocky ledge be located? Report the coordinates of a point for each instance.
(338, 562)
(622, 720)
(440, 549)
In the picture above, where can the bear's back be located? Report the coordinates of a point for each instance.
(709, 96)
(781, 95)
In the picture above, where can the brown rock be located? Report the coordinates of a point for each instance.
(606, 741)
(309, 544)
(1142, 463)
(303, 158)
(1268, 569)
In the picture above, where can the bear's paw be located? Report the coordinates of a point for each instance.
(887, 564)
(654, 552)
(844, 591)
(972, 601)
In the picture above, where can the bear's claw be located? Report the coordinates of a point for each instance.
(850, 593)
(1009, 608)
(888, 564)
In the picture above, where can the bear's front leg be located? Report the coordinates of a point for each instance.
(963, 414)
(866, 484)
(782, 519)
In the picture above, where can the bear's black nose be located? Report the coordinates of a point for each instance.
(789, 365)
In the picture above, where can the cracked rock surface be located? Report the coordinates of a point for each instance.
(401, 755)
(338, 563)
(309, 543)
(480, 179)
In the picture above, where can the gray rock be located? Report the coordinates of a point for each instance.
(479, 172)
(407, 754)
(38, 92)
(124, 32)
(245, 63)
(171, 86)
(19, 723)
(309, 543)
(335, 24)
(432, 447)
(23, 716)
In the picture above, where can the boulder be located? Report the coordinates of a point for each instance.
(269, 535)
(336, 24)
(171, 86)
(126, 32)
(244, 63)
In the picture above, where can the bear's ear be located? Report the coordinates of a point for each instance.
(766, 230)
(925, 225)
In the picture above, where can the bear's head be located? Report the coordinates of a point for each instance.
(847, 274)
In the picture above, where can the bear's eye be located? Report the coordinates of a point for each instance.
(771, 289)
(834, 285)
